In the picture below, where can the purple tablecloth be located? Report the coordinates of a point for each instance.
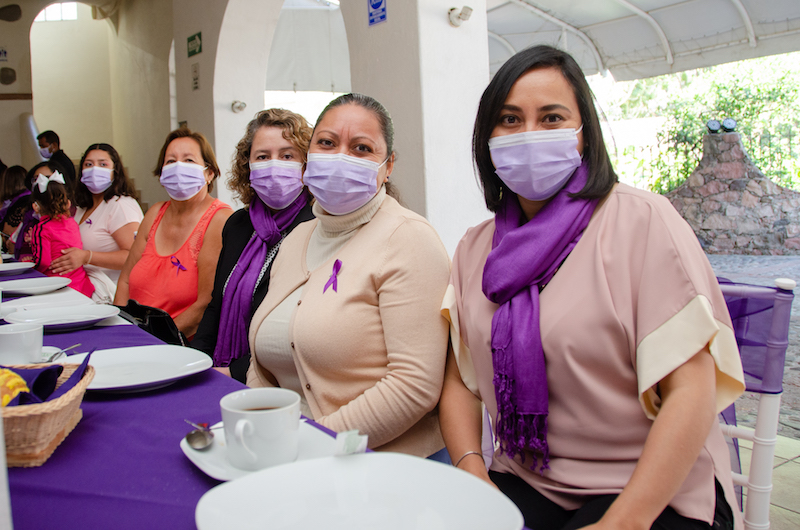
(122, 466)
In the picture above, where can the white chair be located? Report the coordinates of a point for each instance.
(760, 318)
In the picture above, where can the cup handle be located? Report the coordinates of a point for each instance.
(244, 427)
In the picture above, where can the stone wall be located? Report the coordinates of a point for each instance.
(733, 208)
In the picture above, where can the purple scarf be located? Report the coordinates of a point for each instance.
(237, 298)
(8, 203)
(522, 259)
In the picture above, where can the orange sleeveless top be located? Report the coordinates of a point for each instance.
(170, 282)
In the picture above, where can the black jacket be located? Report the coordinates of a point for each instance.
(235, 235)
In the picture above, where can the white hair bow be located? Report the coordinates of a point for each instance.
(43, 180)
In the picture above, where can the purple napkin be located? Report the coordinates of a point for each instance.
(42, 383)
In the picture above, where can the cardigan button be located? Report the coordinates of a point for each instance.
(308, 386)
(299, 302)
(292, 344)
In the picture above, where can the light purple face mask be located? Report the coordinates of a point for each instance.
(276, 182)
(45, 152)
(536, 164)
(183, 180)
(96, 178)
(341, 183)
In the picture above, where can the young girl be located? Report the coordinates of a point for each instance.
(55, 230)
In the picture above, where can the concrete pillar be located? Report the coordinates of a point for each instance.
(430, 76)
(236, 36)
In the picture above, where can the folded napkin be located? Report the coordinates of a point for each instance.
(42, 383)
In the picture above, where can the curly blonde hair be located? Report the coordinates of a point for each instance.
(295, 129)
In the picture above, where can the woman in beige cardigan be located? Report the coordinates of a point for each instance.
(351, 320)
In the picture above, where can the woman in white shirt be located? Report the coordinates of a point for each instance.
(108, 216)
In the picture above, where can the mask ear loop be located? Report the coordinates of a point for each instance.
(579, 129)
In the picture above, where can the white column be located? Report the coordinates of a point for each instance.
(240, 74)
(430, 76)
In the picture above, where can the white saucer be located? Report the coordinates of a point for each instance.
(311, 443)
(47, 351)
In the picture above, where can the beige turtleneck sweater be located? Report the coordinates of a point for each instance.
(369, 356)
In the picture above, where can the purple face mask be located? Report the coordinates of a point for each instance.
(341, 183)
(45, 152)
(96, 178)
(536, 164)
(276, 182)
(183, 180)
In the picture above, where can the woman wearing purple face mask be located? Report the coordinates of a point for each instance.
(351, 320)
(267, 176)
(108, 216)
(172, 262)
(587, 319)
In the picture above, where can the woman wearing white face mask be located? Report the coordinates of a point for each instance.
(108, 216)
(267, 176)
(351, 320)
(587, 319)
(172, 262)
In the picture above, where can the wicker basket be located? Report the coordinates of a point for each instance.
(33, 432)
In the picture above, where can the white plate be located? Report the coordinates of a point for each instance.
(7, 256)
(63, 318)
(60, 298)
(311, 443)
(140, 368)
(390, 491)
(46, 284)
(16, 268)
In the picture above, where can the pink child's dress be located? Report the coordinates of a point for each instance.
(49, 237)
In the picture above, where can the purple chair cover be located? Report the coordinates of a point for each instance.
(760, 317)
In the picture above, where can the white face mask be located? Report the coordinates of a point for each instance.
(96, 178)
(277, 182)
(340, 183)
(536, 164)
(183, 180)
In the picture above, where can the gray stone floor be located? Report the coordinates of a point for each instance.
(763, 270)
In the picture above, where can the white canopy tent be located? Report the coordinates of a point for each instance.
(631, 39)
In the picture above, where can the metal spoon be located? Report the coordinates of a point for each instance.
(200, 438)
(59, 352)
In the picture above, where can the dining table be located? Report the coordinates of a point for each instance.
(122, 466)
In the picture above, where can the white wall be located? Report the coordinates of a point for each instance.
(429, 76)
(14, 38)
(72, 80)
(139, 59)
(240, 74)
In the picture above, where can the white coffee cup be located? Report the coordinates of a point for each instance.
(21, 343)
(261, 426)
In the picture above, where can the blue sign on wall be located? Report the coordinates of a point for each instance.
(377, 11)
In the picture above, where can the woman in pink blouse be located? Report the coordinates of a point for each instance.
(587, 319)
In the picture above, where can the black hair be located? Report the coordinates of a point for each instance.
(54, 200)
(601, 174)
(120, 183)
(50, 137)
(13, 182)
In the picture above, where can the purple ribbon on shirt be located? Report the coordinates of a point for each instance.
(333, 281)
(88, 221)
(178, 267)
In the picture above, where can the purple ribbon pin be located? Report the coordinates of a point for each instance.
(333, 280)
(178, 267)
(88, 221)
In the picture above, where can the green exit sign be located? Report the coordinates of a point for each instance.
(194, 44)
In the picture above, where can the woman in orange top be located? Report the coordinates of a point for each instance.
(173, 258)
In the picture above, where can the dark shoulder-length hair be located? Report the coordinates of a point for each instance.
(120, 183)
(384, 120)
(206, 151)
(601, 175)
